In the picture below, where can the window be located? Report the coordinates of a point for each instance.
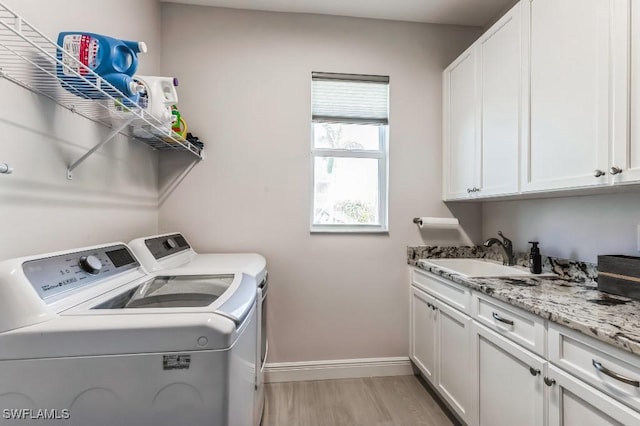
(349, 152)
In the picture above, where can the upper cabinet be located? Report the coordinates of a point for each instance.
(461, 150)
(556, 102)
(569, 77)
(499, 53)
(626, 92)
(482, 114)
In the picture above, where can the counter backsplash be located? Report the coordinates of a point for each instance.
(586, 273)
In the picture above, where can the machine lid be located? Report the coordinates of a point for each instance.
(230, 295)
(184, 291)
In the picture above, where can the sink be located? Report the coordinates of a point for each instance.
(478, 268)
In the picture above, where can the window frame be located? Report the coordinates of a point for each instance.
(381, 154)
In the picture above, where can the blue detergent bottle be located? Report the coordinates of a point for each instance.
(116, 61)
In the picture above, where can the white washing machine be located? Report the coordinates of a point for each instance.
(172, 254)
(88, 337)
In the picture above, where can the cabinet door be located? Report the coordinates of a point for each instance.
(500, 76)
(569, 70)
(423, 332)
(574, 403)
(508, 379)
(461, 121)
(453, 375)
(626, 96)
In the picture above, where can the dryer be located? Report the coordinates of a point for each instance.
(88, 337)
(172, 254)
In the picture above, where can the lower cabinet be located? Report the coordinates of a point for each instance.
(440, 347)
(574, 403)
(423, 325)
(453, 378)
(501, 374)
(508, 380)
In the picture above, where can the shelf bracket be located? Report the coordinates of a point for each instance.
(114, 132)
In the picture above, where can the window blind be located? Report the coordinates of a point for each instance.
(349, 98)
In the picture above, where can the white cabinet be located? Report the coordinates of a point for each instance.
(496, 365)
(574, 403)
(611, 370)
(569, 79)
(500, 84)
(509, 381)
(453, 379)
(423, 332)
(523, 328)
(440, 342)
(625, 161)
(461, 154)
(548, 99)
(482, 114)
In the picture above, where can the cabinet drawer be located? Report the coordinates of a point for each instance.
(607, 368)
(522, 327)
(454, 294)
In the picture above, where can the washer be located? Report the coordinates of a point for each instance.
(172, 254)
(88, 337)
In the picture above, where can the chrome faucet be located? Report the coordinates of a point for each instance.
(506, 245)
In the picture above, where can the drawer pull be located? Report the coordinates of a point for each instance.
(614, 375)
(534, 371)
(499, 318)
(549, 382)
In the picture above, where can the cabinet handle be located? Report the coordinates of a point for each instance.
(499, 318)
(604, 370)
(598, 173)
(5, 169)
(615, 170)
(534, 371)
(549, 382)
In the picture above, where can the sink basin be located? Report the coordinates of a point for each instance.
(477, 268)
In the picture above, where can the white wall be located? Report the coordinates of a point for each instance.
(578, 228)
(245, 90)
(114, 194)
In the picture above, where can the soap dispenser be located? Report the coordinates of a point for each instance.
(535, 260)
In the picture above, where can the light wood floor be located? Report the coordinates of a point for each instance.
(378, 401)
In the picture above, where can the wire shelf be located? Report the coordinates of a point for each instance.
(30, 59)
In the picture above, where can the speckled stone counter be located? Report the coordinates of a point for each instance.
(572, 301)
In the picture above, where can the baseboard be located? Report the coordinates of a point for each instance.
(337, 369)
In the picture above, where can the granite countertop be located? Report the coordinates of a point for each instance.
(570, 299)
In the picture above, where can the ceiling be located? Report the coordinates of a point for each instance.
(457, 12)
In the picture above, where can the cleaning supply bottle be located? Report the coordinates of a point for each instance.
(176, 118)
(158, 96)
(535, 260)
(116, 61)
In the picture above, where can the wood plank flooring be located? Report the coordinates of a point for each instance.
(377, 401)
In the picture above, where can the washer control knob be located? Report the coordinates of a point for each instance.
(90, 264)
(170, 244)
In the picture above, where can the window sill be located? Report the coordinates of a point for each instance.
(329, 229)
